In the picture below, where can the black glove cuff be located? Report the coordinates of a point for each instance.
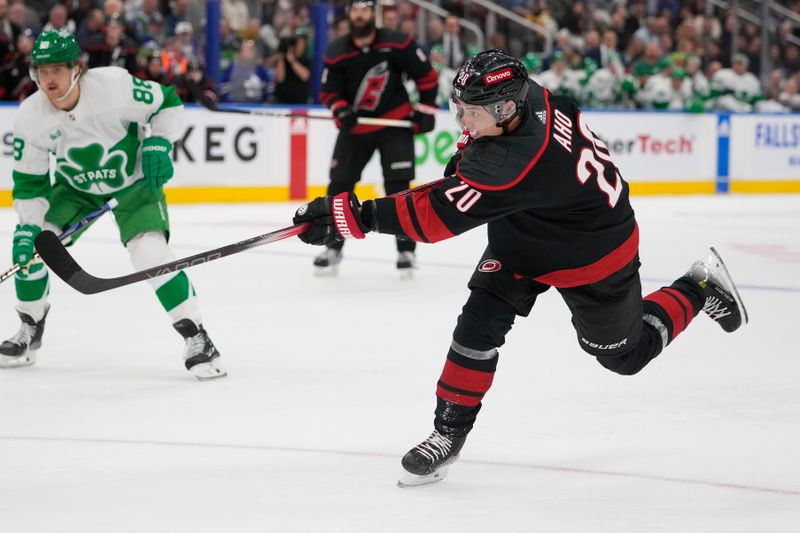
(369, 215)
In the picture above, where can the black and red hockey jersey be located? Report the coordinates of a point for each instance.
(370, 79)
(555, 205)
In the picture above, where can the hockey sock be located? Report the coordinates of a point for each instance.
(32, 291)
(461, 387)
(175, 292)
(673, 307)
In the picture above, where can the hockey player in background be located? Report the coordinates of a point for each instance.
(558, 215)
(93, 123)
(363, 77)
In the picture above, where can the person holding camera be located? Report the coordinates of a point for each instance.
(292, 71)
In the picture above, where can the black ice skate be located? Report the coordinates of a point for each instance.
(429, 461)
(20, 350)
(406, 263)
(327, 263)
(200, 356)
(723, 303)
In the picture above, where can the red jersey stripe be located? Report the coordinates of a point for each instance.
(600, 269)
(404, 217)
(432, 226)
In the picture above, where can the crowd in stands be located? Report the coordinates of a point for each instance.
(661, 54)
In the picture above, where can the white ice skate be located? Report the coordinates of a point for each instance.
(327, 263)
(200, 355)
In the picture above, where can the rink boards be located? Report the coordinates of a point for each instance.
(233, 158)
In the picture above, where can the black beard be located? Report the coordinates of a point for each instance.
(363, 31)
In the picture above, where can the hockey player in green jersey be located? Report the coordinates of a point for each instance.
(95, 124)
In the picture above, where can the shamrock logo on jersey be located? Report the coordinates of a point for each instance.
(91, 165)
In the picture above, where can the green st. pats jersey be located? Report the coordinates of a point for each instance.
(97, 144)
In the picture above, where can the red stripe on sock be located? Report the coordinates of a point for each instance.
(462, 378)
(673, 308)
(459, 399)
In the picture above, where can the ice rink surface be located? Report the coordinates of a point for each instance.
(332, 380)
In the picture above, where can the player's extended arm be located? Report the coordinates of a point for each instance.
(430, 213)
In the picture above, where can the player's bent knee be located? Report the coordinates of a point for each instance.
(149, 249)
(626, 364)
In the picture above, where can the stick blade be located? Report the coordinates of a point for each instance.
(60, 262)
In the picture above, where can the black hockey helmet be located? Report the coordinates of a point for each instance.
(490, 79)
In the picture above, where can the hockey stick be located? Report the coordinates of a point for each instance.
(84, 222)
(211, 105)
(62, 263)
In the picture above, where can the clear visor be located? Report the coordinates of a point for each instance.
(475, 118)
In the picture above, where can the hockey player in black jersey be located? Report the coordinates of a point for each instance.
(363, 77)
(558, 215)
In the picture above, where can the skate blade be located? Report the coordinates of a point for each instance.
(18, 361)
(412, 480)
(728, 281)
(406, 273)
(326, 272)
(207, 371)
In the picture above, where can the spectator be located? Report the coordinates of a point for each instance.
(184, 39)
(694, 72)
(609, 48)
(409, 27)
(154, 70)
(446, 75)
(9, 32)
(435, 31)
(292, 71)
(148, 23)
(194, 82)
(230, 44)
(648, 65)
(455, 50)
(59, 19)
(591, 46)
(791, 60)
(22, 16)
(390, 19)
(246, 80)
(113, 48)
(498, 41)
(341, 28)
(15, 81)
(605, 90)
(559, 79)
(91, 28)
(173, 57)
(790, 96)
(185, 11)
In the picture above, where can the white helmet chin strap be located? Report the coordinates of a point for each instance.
(76, 73)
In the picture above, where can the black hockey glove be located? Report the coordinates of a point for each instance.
(424, 119)
(346, 119)
(450, 168)
(333, 219)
